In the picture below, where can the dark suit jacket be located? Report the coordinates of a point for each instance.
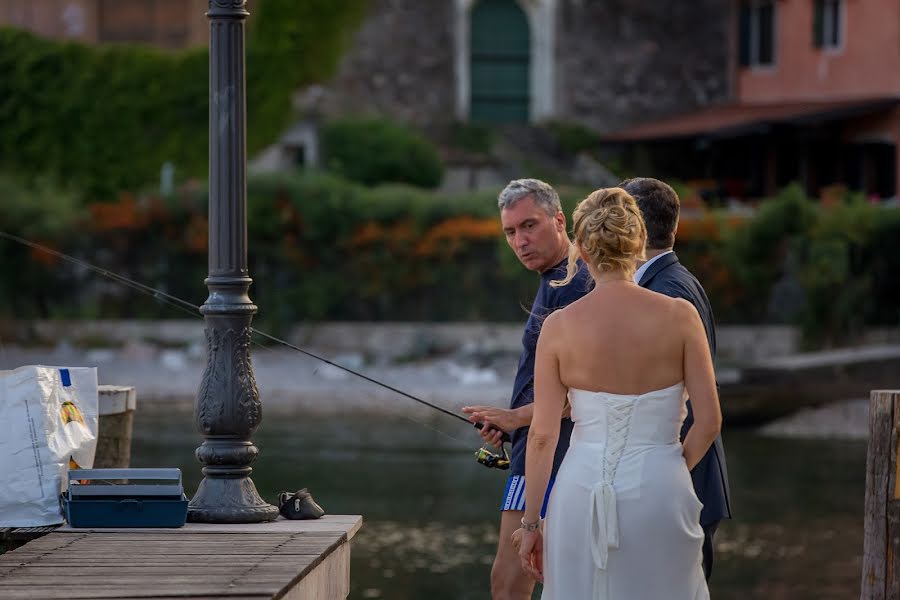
(668, 276)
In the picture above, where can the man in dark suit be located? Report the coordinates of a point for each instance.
(664, 274)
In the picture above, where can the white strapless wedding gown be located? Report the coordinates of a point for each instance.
(623, 521)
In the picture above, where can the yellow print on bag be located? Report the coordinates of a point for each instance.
(71, 414)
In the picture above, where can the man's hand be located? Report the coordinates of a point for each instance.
(495, 421)
(504, 419)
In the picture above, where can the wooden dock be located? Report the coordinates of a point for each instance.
(282, 559)
(770, 389)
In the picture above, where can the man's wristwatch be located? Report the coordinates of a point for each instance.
(531, 526)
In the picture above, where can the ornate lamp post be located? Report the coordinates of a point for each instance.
(228, 409)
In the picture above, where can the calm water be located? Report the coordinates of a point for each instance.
(431, 512)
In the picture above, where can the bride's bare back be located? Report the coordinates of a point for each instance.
(623, 339)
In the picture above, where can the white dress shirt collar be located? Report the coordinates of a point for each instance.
(640, 272)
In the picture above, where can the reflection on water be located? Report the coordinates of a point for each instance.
(431, 512)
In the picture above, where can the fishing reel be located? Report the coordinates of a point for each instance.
(490, 459)
(493, 460)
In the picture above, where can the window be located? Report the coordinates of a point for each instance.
(828, 24)
(757, 33)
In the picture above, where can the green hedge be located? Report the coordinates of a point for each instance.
(830, 270)
(322, 248)
(42, 213)
(105, 119)
(374, 151)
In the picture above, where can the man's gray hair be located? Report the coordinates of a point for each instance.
(544, 195)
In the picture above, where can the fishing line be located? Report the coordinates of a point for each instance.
(194, 310)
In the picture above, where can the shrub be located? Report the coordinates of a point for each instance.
(105, 119)
(373, 151)
(323, 248)
(836, 272)
(574, 138)
(48, 215)
(472, 137)
(756, 254)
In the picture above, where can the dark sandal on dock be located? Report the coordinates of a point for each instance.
(299, 505)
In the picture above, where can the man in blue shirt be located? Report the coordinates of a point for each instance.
(535, 229)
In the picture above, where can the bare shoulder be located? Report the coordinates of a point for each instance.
(553, 326)
(669, 309)
(573, 311)
(684, 310)
(688, 318)
(554, 321)
(661, 302)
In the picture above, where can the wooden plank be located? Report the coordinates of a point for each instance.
(896, 478)
(191, 555)
(892, 509)
(158, 590)
(121, 538)
(95, 546)
(211, 539)
(206, 562)
(173, 570)
(47, 543)
(196, 580)
(879, 474)
(892, 563)
(174, 549)
(52, 559)
(347, 524)
(330, 580)
(257, 597)
(112, 595)
(60, 540)
(54, 542)
(175, 543)
(92, 547)
(30, 533)
(195, 583)
(181, 557)
(24, 594)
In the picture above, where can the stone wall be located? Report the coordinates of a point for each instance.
(737, 344)
(616, 61)
(622, 61)
(400, 63)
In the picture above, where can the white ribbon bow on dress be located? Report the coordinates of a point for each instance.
(604, 522)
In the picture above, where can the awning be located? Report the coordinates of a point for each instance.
(734, 120)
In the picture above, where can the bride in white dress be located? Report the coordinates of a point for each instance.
(622, 521)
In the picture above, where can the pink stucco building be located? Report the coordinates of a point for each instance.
(815, 98)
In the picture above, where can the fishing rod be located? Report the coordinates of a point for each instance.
(484, 455)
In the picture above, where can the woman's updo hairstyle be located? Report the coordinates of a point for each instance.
(609, 229)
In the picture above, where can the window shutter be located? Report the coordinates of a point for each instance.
(837, 14)
(766, 34)
(744, 35)
(819, 23)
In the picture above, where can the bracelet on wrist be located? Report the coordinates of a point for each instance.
(531, 526)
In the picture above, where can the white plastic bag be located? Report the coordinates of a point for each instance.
(48, 423)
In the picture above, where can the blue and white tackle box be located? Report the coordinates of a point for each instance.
(125, 498)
